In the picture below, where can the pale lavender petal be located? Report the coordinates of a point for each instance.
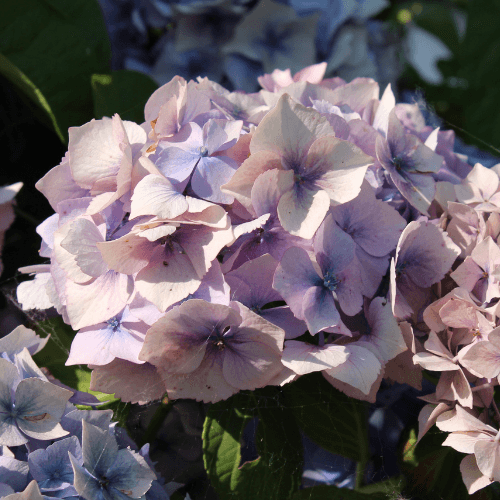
(98, 301)
(334, 248)
(318, 309)
(210, 174)
(294, 276)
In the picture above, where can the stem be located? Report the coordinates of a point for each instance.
(157, 421)
(360, 472)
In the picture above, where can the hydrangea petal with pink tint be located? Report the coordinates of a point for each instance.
(479, 189)
(305, 358)
(128, 381)
(473, 478)
(477, 273)
(279, 79)
(361, 370)
(483, 358)
(401, 368)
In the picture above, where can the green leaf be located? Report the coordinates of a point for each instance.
(58, 45)
(55, 353)
(437, 473)
(332, 420)
(29, 89)
(123, 92)
(276, 474)
(334, 493)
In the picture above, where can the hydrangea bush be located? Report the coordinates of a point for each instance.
(236, 241)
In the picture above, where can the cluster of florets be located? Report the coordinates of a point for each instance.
(234, 241)
(51, 449)
(460, 325)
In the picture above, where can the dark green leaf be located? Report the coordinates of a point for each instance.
(437, 472)
(123, 92)
(334, 493)
(332, 420)
(276, 474)
(26, 87)
(58, 45)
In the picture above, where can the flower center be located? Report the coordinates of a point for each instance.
(114, 323)
(203, 151)
(331, 281)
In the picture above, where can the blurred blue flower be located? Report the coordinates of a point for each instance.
(108, 472)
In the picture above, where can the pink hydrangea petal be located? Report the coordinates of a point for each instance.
(487, 254)
(206, 384)
(360, 371)
(128, 254)
(128, 381)
(472, 477)
(488, 458)
(467, 274)
(356, 94)
(253, 364)
(431, 362)
(385, 333)
(305, 358)
(454, 386)
(483, 359)
(166, 284)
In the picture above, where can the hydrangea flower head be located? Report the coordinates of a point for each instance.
(108, 472)
(210, 351)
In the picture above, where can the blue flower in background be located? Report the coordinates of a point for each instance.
(29, 408)
(274, 35)
(109, 473)
(51, 468)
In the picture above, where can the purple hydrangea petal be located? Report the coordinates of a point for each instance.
(210, 174)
